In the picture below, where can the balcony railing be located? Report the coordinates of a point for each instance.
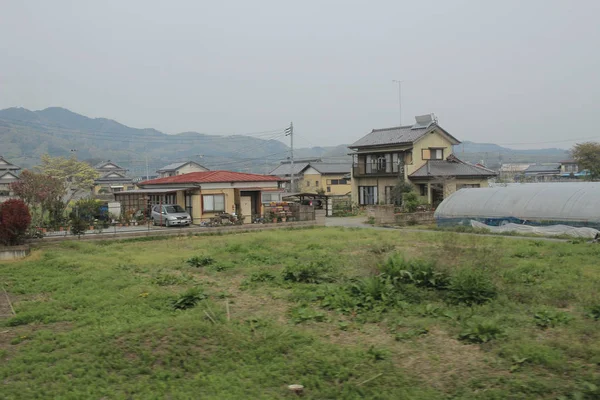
(364, 170)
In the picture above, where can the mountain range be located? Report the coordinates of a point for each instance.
(25, 135)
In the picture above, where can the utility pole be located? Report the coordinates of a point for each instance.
(290, 132)
(399, 98)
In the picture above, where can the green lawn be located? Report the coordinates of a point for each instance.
(348, 313)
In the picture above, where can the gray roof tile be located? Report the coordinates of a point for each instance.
(286, 169)
(396, 135)
(451, 167)
(332, 168)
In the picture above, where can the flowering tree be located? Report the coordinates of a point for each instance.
(14, 221)
(39, 191)
(77, 176)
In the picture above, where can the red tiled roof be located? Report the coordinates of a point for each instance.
(212, 177)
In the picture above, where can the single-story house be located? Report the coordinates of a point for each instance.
(205, 194)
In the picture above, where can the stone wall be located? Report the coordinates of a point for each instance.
(383, 215)
(416, 218)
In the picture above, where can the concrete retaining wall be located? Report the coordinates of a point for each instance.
(383, 215)
(13, 252)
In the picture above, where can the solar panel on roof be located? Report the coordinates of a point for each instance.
(423, 121)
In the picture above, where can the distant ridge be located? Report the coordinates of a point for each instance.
(25, 135)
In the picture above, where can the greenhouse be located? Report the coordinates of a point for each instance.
(538, 204)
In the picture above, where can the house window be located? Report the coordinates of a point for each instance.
(467, 186)
(423, 189)
(367, 195)
(381, 163)
(408, 158)
(432, 154)
(269, 197)
(213, 202)
(329, 181)
(317, 183)
(328, 189)
(307, 183)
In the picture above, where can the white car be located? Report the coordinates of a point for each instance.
(170, 215)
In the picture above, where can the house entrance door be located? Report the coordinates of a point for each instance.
(246, 208)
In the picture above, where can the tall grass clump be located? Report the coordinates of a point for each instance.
(309, 272)
(471, 287)
(417, 272)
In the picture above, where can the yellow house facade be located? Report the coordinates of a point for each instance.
(421, 154)
(330, 178)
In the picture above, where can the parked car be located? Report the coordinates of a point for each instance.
(170, 215)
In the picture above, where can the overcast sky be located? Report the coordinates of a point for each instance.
(519, 72)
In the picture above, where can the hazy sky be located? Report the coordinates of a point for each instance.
(508, 72)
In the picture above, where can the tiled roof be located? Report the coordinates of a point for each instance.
(400, 135)
(555, 167)
(332, 168)
(177, 165)
(5, 165)
(451, 167)
(286, 169)
(396, 135)
(212, 177)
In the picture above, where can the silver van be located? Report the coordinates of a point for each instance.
(170, 215)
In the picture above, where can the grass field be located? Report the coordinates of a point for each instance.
(348, 313)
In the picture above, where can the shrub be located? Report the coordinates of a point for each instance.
(549, 319)
(312, 272)
(471, 286)
(78, 226)
(188, 299)
(480, 332)
(169, 279)
(14, 221)
(410, 202)
(200, 261)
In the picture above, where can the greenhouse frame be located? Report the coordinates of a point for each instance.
(538, 204)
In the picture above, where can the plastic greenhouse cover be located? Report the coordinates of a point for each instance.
(561, 202)
(550, 230)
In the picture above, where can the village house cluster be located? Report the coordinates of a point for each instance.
(421, 154)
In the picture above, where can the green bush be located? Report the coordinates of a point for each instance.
(471, 286)
(594, 312)
(311, 272)
(188, 299)
(480, 332)
(410, 202)
(78, 226)
(200, 261)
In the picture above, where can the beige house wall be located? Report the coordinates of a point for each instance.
(432, 139)
(312, 183)
(186, 169)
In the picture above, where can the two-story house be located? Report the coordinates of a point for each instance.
(112, 178)
(9, 173)
(421, 154)
(314, 176)
(180, 168)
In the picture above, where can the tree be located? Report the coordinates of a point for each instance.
(78, 176)
(14, 221)
(587, 156)
(38, 191)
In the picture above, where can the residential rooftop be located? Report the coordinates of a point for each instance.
(218, 176)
